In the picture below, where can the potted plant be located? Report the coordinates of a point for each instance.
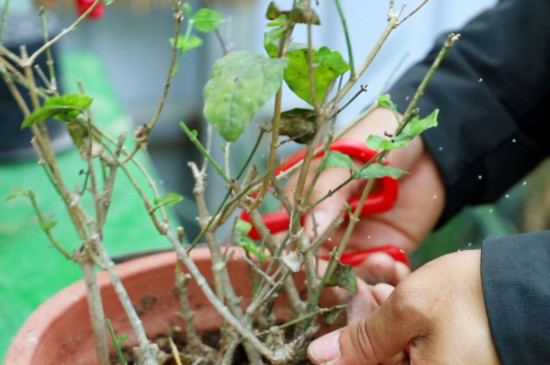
(288, 271)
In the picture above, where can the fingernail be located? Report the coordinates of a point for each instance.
(325, 349)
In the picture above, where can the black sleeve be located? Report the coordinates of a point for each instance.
(493, 92)
(515, 273)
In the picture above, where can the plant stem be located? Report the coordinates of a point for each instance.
(270, 165)
(49, 58)
(97, 315)
(179, 18)
(58, 37)
(414, 11)
(243, 330)
(346, 34)
(47, 230)
(114, 341)
(407, 115)
(147, 350)
(392, 24)
(222, 281)
(220, 208)
(203, 150)
(3, 19)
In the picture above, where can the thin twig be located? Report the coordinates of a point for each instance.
(193, 138)
(58, 37)
(414, 11)
(3, 19)
(49, 58)
(346, 34)
(44, 224)
(178, 15)
(392, 24)
(451, 39)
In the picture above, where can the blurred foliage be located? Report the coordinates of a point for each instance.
(524, 208)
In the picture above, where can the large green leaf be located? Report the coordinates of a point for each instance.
(329, 65)
(240, 84)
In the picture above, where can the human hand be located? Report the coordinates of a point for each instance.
(417, 209)
(435, 316)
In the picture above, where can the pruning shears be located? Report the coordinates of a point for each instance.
(380, 201)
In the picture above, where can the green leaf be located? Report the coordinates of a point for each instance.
(240, 84)
(44, 113)
(78, 133)
(273, 11)
(108, 2)
(73, 100)
(123, 337)
(348, 208)
(271, 43)
(242, 227)
(385, 102)
(45, 217)
(207, 20)
(344, 277)
(298, 124)
(250, 246)
(336, 159)
(168, 199)
(380, 143)
(418, 125)
(187, 9)
(332, 315)
(332, 60)
(247, 243)
(279, 21)
(330, 65)
(65, 108)
(377, 171)
(16, 192)
(185, 43)
(47, 225)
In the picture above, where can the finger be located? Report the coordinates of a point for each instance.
(400, 359)
(358, 304)
(380, 336)
(361, 303)
(381, 292)
(380, 267)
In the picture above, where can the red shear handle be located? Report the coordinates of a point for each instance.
(354, 258)
(378, 202)
(83, 5)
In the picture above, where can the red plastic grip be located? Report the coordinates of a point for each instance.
(354, 258)
(378, 202)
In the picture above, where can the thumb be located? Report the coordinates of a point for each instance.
(378, 337)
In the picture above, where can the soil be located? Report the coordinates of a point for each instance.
(209, 338)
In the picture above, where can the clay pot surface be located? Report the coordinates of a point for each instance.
(59, 331)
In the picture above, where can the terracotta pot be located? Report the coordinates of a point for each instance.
(59, 331)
